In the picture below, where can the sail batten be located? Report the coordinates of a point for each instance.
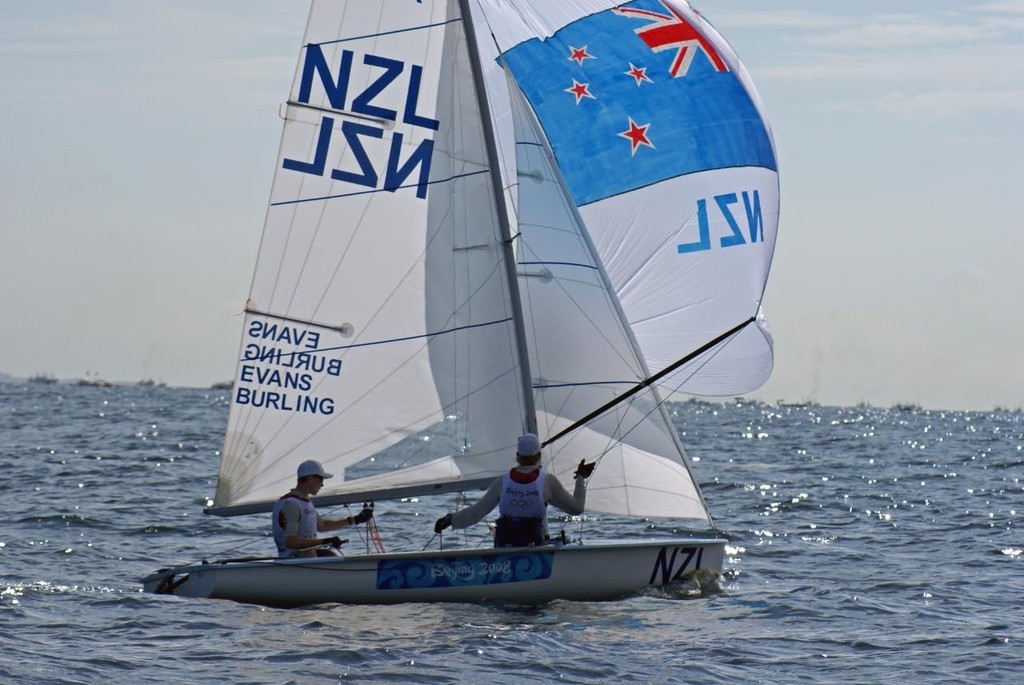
(379, 190)
(394, 32)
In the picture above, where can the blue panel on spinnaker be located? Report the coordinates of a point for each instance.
(637, 89)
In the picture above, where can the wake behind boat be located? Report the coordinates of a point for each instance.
(492, 217)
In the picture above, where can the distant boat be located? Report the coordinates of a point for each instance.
(43, 379)
(151, 383)
(222, 385)
(799, 404)
(92, 381)
(533, 225)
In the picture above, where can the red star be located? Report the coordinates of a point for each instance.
(580, 90)
(579, 54)
(637, 136)
(639, 73)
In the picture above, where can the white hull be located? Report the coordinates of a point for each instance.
(592, 572)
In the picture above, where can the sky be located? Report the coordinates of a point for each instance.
(139, 141)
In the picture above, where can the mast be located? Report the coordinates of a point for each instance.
(511, 272)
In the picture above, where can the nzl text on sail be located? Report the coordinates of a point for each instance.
(387, 77)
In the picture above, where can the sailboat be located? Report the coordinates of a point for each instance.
(491, 217)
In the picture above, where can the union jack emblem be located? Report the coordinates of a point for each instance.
(600, 90)
(672, 31)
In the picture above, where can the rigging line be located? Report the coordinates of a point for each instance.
(597, 329)
(292, 319)
(653, 379)
(387, 33)
(380, 121)
(423, 257)
(341, 411)
(621, 435)
(658, 406)
(377, 190)
(388, 341)
(580, 384)
(499, 59)
(229, 550)
(259, 416)
(650, 184)
(494, 158)
(600, 332)
(658, 402)
(579, 231)
(243, 428)
(340, 261)
(531, 124)
(553, 263)
(246, 421)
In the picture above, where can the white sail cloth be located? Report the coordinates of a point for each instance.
(380, 272)
(386, 333)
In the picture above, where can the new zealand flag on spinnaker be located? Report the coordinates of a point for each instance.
(639, 89)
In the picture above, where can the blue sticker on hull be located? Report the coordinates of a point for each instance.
(462, 571)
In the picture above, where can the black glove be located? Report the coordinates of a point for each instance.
(443, 523)
(362, 517)
(334, 542)
(584, 469)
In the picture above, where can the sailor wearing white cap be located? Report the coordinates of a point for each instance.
(295, 521)
(522, 496)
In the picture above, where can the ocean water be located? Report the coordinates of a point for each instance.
(868, 545)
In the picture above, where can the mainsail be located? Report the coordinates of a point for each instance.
(387, 333)
(380, 305)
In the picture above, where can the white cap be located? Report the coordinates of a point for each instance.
(529, 445)
(311, 467)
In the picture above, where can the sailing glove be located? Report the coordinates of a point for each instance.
(443, 523)
(584, 470)
(334, 542)
(362, 517)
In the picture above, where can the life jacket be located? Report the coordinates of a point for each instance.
(523, 511)
(307, 522)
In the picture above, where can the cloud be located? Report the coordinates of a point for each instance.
(781, 19)
(978, 48)
(969, 278)
(898, 31)
(949, 104)
(936, 105)
(1007, 6)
